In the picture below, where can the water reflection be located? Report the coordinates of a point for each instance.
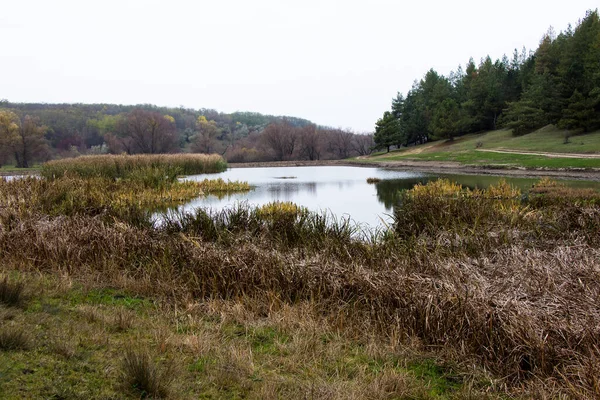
(388, 191)
(342, 191)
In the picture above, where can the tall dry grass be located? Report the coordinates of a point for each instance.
(144, 166)
(11, 293)
(131, 201)
(497, 278)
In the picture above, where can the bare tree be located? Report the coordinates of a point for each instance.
(281, 138)
(340, 142)
(363, 144)
(310, 143)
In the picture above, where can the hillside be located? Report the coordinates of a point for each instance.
(557, 85)
(544, 148)
(36, 132)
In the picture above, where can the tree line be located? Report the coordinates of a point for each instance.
(559, 84)
(37, 132)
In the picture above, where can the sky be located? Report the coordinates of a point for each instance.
(336, 63)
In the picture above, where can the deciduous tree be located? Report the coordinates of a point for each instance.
(23, 138)
(205, 137)
(281, 138)
(149, 132)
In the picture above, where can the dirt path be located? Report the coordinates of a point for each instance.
(542, 153)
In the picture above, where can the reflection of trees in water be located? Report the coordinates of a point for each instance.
(310, 187)
(290, 189)
(388, 191)
(285, 191)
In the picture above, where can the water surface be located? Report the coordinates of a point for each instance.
(339, 190)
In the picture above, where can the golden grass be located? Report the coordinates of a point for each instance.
(124, 166)
(221, 186)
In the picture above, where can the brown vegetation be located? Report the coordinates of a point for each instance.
(11, 293)
(491, 278)
(12, 338)
(146, 132)
(123, 166)
(142, 374)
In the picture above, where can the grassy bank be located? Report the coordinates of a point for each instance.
(490, 148)
(473, 294)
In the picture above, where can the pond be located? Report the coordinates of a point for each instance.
(342, 191)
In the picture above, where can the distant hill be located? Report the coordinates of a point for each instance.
(68, 130)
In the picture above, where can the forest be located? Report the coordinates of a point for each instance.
(33, 133)
(559, 84)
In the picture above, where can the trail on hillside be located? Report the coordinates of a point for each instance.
(542, 153)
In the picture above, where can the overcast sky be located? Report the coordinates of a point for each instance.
(337, 63)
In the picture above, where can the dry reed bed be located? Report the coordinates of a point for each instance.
(514, 287)
(103, 196)
(121, 166)
(521, 312)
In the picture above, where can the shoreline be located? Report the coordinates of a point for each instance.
(19, 173)
(435, 167)
(438, 167)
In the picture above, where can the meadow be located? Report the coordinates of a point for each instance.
(502, 149)
(471, 294)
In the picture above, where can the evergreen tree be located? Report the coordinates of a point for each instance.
(559, 83)
(387, 131)
(582, 112)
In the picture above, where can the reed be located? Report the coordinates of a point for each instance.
(221, 186)
(130, 200)
(138, 167)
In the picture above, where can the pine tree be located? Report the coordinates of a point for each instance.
(387, 131)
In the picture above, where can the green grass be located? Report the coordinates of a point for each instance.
(474, 157)
(225, 352)
(547, 139)
(13, 169)
(471, 149)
